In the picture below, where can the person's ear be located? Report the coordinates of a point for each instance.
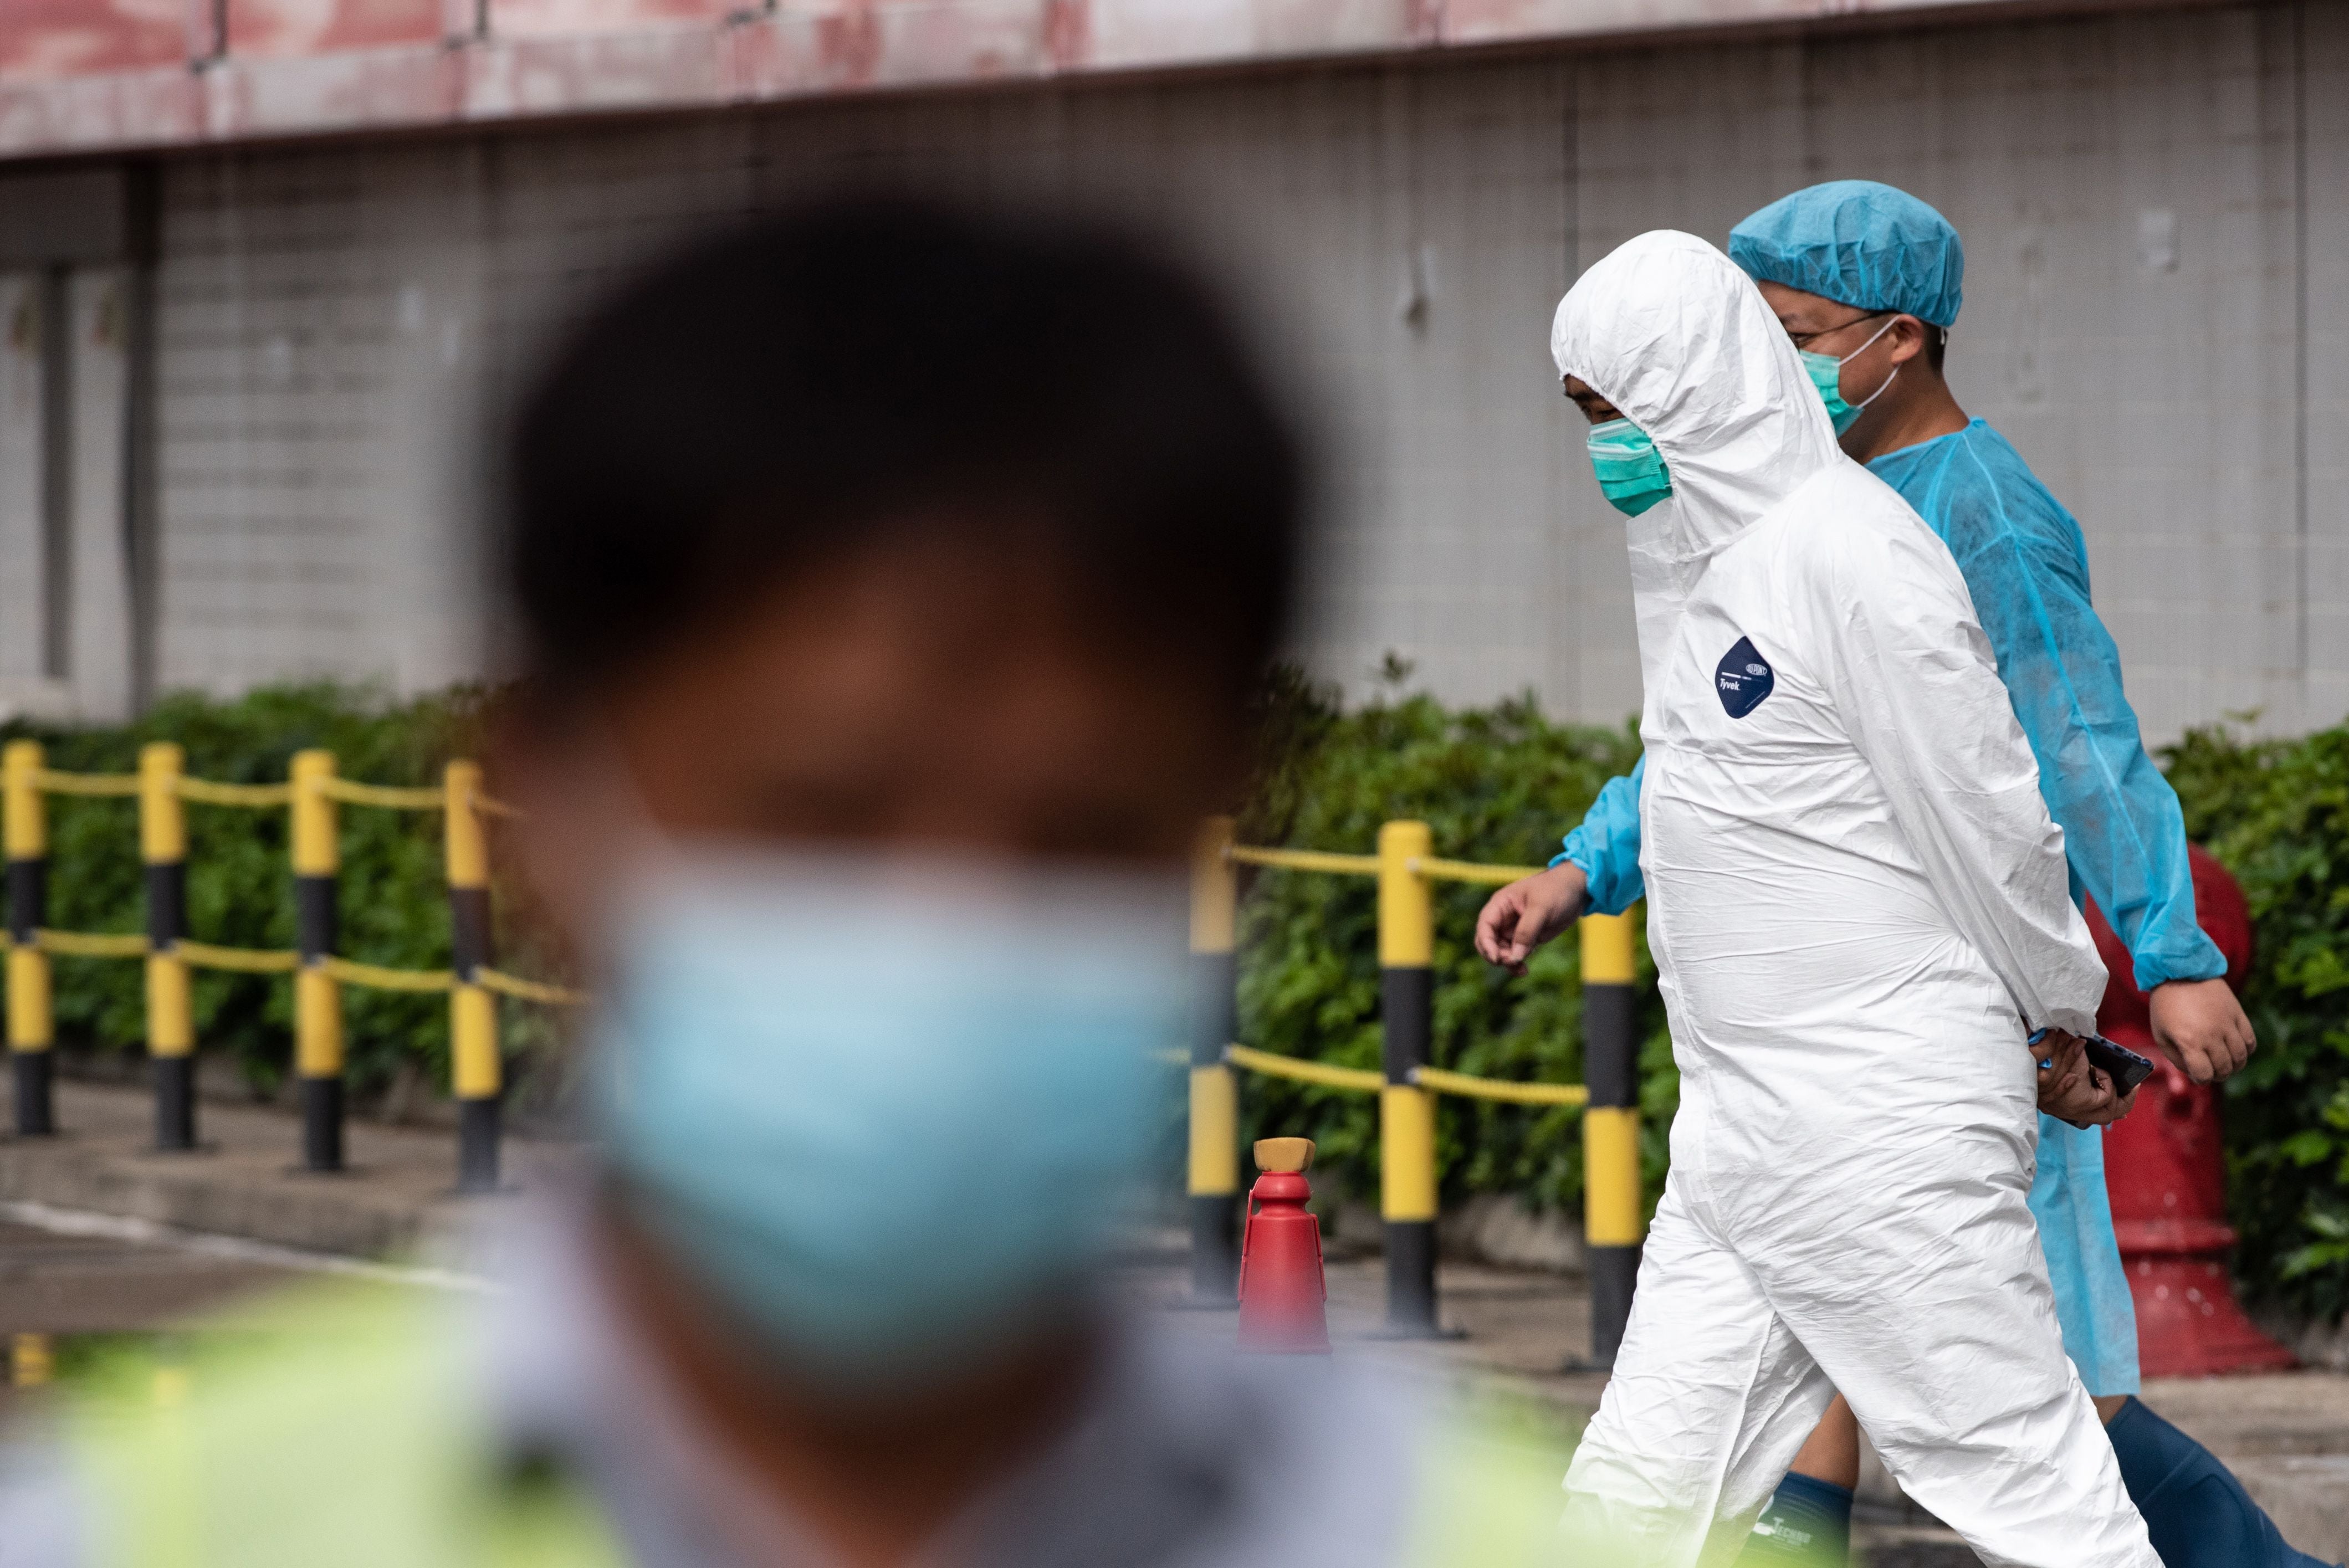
(1906, 338)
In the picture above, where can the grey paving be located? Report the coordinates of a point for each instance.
(98, 1235)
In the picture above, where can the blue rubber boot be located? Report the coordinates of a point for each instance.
(1808, 1522)
(2198, 1514)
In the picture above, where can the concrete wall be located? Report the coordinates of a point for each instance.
(116, 75)
(329, 318)
(67, 639)
(2139, 194)
(2137, 315)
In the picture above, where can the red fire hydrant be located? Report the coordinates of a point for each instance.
(1283, 1297)
(2165, 1165)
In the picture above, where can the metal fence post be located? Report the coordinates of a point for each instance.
(1406, 1111)
(1214, 1179)
(32, 1013)
(317, 1000)
(475, 1071)
(1612, 1223)
(170, 1007)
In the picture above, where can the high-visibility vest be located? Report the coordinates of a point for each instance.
(336, 1435)
(340, 1437)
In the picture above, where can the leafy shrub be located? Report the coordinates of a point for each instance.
(393, 894)
(1495, 785)
(2277, 814)
(1500, 784)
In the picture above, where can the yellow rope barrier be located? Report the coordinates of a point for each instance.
(529, 990)
(279, 961)
(391, 797)
(52, 782)
(1306, 861)
(243, 960)
(1470, 871)
(1359, 1079)
(254, 797)
(376, 977)
(1443, 1082)
(94, 944)
(211, 792)
(489, 807)
(1368, 865)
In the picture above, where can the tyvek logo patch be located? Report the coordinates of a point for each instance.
(1742, 678)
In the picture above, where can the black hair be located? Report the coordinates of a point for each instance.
(1936, 346)
(781, 392)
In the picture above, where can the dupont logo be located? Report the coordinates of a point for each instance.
(1743, 679)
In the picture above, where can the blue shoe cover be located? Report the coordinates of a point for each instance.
(2198, 1514)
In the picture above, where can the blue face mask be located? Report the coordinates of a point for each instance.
(886, 1111)
(1630, 470)
(1826, 375)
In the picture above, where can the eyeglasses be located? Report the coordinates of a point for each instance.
(1805, 339)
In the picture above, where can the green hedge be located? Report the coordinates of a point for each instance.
(394, 898)
(1501, 783)
(2277, 814)
(1497, 784)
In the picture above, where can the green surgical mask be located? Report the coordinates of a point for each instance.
(1826, 375)
(1630, 470)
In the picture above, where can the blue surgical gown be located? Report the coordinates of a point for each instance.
(2027, 569)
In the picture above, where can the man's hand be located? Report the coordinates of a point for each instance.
(2199, 1025)
(2070, 1090)
(1528, 913)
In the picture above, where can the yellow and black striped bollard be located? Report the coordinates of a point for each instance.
(317, 1000)
(171, 1006)
(32, 1360)
(1215, 1163)
(32, 1017)
(474, 1067)
(1612, 1223)
(1406, 1111)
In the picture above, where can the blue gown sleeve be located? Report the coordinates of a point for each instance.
(2027, 568)
(1606, 844)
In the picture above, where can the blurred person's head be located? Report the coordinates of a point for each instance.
(890, 583)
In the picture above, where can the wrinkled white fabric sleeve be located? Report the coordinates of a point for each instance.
(1914, 680)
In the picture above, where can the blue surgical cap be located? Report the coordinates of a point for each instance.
(1860, 243)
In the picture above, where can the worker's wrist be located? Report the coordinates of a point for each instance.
(2204, 962)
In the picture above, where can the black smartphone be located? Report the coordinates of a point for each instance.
(2123, 1065)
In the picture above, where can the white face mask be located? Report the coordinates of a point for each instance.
(1826, 375)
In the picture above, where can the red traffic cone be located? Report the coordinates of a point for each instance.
(1282, 1295)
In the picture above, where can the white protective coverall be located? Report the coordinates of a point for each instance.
(1859, 909)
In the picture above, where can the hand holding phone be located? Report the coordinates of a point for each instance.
(2124, 1066)
(2085, 1079)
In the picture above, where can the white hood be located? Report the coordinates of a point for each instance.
(1668, 330)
